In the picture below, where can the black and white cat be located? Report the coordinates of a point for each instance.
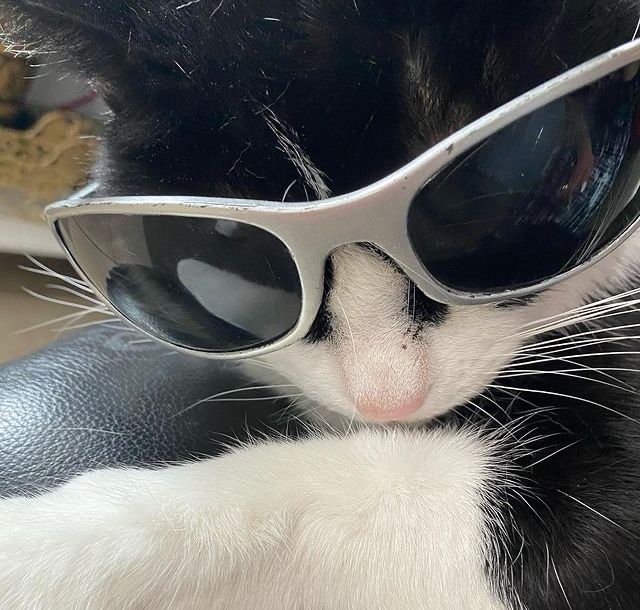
(515, 481)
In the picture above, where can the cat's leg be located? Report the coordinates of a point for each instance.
(374, 520)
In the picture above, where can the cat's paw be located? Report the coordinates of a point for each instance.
(372, 520)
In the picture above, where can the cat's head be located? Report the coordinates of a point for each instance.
(306, 98)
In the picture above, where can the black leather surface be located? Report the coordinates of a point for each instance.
(103, 398)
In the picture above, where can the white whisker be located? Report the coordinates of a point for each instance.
(600, 302)
(255, 398)
(570, 320)
(564, 593)
(44, 270)
(43, 297)
(569, 359)
(567, 373)
(570, 339)
(548, 457)
(55, 321)
(607, 519)
(571, 397)
(84, 297)
(232, 391)
(90, 324)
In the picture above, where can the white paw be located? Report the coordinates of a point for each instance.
(375, 520)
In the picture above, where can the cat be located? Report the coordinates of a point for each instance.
(512, 482)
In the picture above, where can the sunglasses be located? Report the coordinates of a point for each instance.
(522, 198)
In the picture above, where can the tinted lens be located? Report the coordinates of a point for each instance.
(537, 198)
(200, 283)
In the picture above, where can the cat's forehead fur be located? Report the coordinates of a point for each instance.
(264, 97)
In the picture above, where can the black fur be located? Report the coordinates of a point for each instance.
(190, 90)
(364, 86)
(576, 519)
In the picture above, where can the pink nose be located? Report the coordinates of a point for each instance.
(386, 408)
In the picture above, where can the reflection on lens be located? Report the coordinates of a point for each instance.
(200, 283)
(537, 198)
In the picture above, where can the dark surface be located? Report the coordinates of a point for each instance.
(103, 398)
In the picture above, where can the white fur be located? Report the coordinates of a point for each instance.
(458, 357)
(374, 520)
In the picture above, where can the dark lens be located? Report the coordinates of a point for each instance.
(200, 283)
(539, 197)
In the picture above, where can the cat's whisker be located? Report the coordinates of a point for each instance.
(304, 412)
(75, 293)
(215, 397)
(255, 398)
(603, 301)
(635, 32)
(556, 452)
(58, 276)
(571, 397)
(521, 497)
(586, 311)
(489, 415)
(286, 191)
(294, 403)
(567, 373)
(576, 347)
(42, 269)
(543, 359)
(494, 402)
(570, 320)
(570, 347)
(543, 345)
(43, 297)
(352, 419)
(514, 424)
(594, 369)
(75, 285)
(564, 355)
(73, 321)
(309, 410)
(90, 324)
(289, 411)
(585, 505)
(40, 325)
(587, 355)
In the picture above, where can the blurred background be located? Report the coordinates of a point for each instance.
(49, 136)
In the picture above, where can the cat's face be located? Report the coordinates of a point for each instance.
(306, 98)
(380, 362)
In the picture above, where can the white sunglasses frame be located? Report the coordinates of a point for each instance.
(376, 214)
